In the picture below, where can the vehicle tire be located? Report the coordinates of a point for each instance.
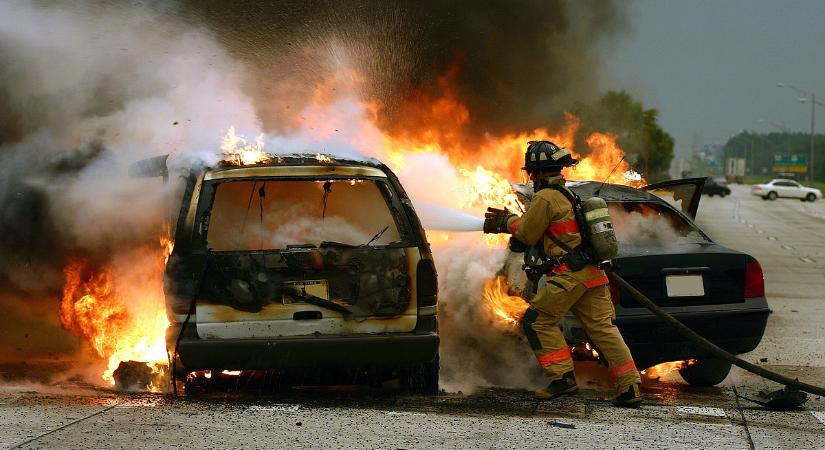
(710, 195)
(706, 372)
(810, 197)
(422, 379)
(772, 196)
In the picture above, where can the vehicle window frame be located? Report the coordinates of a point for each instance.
(674, 210)
(209, 188)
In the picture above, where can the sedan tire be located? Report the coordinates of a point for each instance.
(810, 197)
(772, 196)
(706, 372)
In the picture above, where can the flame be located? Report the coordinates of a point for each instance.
(323, 158)
(237, 150)
(121, 315)
(502, 306)
(666, 371)
(125, 320)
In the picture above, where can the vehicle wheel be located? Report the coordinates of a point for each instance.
(810, 197)
(705, 372)
(421, 379)
(710, 195)
(772, 195)
(722, 195)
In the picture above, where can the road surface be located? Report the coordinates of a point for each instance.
(786, 236)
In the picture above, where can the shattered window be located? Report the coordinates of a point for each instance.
(272, 214)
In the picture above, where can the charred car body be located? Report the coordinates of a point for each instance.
(716, 291)
(301, 262)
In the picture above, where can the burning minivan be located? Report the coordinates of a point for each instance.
(301, 261)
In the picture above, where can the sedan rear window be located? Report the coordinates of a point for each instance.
(273, 214)
(652, 224)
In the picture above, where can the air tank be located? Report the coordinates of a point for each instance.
(602, 236)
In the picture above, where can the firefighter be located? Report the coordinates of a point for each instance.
(573, 282)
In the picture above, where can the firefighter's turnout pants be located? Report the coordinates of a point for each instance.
(586, 293)
(550, 221)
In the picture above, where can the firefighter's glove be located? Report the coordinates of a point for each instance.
(495, 220)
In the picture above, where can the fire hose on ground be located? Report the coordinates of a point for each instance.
(711, 347)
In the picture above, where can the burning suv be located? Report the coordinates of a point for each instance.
(716, 291)
(302, 261)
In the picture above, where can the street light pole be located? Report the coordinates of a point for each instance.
(813, 121)
(814, 103)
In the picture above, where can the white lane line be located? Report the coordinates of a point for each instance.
(404, 413)
(820, 416)
(279, 408)
(807, 260)
(772, 238)
(760, 231)
(701, 411)
(788, 247)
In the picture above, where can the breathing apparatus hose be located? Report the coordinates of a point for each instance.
(709, 346)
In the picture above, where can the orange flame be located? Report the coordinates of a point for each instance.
(237, 150)
(98, 304)
(121, 315)
(502, 306)
(666, 371)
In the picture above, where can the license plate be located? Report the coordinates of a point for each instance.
(685, 286)
(317, 288)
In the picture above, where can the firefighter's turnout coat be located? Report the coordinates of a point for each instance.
(585, 292)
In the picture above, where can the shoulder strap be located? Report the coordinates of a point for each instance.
(574, 202)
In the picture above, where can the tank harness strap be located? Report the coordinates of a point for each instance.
(550, 230)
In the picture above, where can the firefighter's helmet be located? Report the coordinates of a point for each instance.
(545, 156)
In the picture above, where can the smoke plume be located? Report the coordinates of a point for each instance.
(86, 89)
(504, 65)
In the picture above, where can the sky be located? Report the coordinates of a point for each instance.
(711, 68)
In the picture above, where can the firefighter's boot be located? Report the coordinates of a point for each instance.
(631, 398)
(566, 385)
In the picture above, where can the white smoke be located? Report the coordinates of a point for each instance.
(89, 88)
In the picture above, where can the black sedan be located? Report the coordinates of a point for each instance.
(713, 187)
(716, 291)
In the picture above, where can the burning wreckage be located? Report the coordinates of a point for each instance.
(299, 261)
(307, 261)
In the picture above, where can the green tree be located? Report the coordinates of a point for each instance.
(648, 146)
(760, 149)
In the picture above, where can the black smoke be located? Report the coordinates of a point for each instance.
(519, 63)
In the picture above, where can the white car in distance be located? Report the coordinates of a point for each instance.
(785, 188)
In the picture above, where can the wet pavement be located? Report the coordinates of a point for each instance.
(786, 236)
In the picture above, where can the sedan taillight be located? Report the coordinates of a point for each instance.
(754, 280)
(426, 283)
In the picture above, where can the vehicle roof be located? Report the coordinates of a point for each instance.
(298, 165)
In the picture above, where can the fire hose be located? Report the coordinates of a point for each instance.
(709, 346)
